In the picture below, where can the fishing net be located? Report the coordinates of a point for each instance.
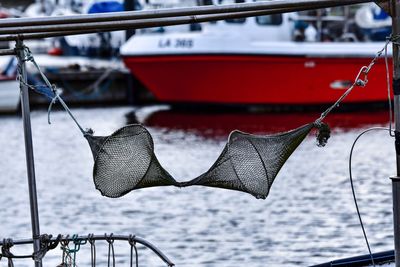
(125, 161)
(250, 163)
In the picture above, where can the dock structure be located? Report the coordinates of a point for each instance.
(22, 29)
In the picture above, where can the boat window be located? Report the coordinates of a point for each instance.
(270, 20)
(236, 21)
(240, 20)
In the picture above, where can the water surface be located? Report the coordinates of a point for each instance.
(308, 218)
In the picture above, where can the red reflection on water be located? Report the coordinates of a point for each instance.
(221, 124)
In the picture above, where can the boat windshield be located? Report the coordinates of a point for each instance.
(270, 20)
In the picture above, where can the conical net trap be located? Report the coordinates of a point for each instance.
(125, 161)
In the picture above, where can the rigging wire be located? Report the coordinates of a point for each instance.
(352, 186)
(394, 40)
(361, 79)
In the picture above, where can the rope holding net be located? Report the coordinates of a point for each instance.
(49, 90)
(125, 160)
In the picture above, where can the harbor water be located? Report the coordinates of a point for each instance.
(308, 218)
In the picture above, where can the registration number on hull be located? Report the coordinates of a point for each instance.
(175, 43)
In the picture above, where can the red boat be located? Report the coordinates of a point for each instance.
(253, 61)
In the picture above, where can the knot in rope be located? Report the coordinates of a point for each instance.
(109, 238)
(110, 241)
(92, 242)
(91, 239)
(132, 240)
(393, 39)
(89, 131)
(323, 134)
(20, 47)
(46, 244)
(5, 251)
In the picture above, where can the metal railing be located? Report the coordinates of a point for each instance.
(48, 242)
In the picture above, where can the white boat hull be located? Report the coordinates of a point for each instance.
(9, 95)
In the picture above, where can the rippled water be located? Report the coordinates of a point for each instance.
(308, 218)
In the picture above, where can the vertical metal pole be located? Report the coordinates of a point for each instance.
(21, 54)
(396, 221)
(130, 5)
(395, 12)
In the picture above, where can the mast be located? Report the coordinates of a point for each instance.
(395, 12)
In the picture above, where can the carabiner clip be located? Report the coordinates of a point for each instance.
(362, 82)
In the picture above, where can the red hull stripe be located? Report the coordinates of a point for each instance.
(243, 79)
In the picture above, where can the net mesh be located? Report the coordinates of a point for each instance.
(250, 163)
(125, 161)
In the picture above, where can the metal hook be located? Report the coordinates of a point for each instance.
(362, 82)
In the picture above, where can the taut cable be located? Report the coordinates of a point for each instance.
(52, 93)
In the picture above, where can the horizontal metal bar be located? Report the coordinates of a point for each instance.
(146, 24)
(174, 12)
(7, 52)
(64, 30)
(124, 24)
(104, 237)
